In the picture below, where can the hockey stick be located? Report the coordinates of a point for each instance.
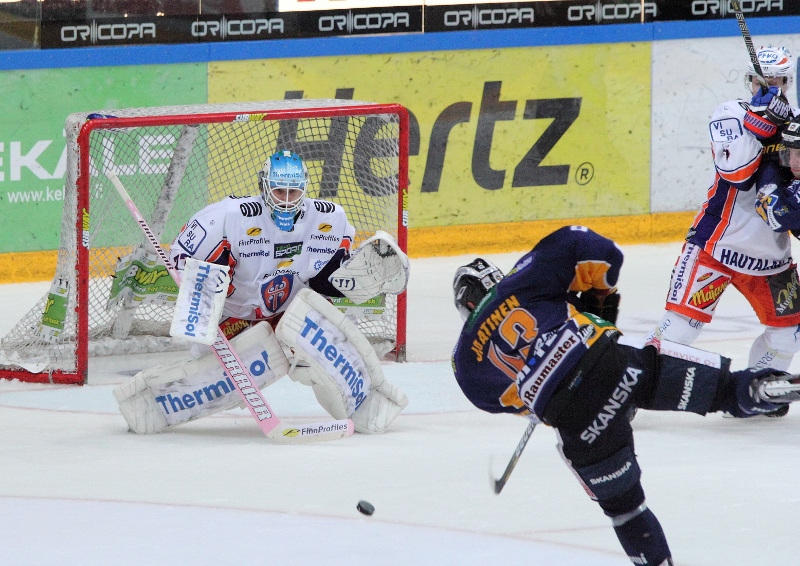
(268, 421)
(499, 484)
(748, 41)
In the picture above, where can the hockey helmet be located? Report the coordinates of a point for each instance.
(777, 66)
(790, 145)
(283, 181)
(472, 282)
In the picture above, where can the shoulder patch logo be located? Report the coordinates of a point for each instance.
(324, 227)
(251, 209)
(725, 130)
(324, 206)
(192, 236)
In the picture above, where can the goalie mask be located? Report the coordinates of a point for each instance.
(790, 148)
(471, 284)
(776, 64)
(283, 181)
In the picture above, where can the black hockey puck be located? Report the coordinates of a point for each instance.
(365, 507)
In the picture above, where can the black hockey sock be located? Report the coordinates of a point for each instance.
(642, 538)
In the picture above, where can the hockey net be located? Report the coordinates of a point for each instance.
(110, 294)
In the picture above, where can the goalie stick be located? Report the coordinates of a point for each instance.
(499, 484)
(268, 421)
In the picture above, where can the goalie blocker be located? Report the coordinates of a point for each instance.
(329, 354)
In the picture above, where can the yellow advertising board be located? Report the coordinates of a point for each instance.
(509, 135)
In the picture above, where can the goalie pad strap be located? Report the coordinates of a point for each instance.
(178, 392)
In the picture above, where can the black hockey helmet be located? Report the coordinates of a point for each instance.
(790, 139)
(472, 282)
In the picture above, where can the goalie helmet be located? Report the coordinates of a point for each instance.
(776, 64)
(472, 282)
(283, 181)
(790, 147)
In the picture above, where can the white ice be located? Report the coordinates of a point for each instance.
(77, 488)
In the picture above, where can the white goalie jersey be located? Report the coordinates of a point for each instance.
(267, 266)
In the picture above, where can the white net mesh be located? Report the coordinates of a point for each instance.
(173, 170)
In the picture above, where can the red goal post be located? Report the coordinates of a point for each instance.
(111, 296)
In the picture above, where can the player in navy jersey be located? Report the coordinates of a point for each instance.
(541, 341)
(778, 202)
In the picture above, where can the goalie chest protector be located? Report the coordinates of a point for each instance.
(268, 266)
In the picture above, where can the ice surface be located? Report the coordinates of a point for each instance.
(76, 488)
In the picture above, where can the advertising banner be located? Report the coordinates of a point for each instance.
(143, 30)
(33, 107)
(327, 18)
(497, 135)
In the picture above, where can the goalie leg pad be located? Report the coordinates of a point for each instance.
(182, 391)
(379, 410)
(341, 365)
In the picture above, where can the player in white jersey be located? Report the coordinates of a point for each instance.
(285, 254)
(729, 243)
(275, 245)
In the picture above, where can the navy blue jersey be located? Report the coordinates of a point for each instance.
(778, 199)
(525, 335)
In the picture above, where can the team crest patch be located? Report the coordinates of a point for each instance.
(276, 292)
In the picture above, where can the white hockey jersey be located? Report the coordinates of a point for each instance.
(727, 226)
(268, 266)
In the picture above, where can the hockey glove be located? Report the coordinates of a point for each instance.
(604, 306)
(769, 110)
(747, 401)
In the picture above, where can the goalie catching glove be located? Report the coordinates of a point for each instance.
(333, 357)
(377, 267)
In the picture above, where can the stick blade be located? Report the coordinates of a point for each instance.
(312, 432)
(496, 484)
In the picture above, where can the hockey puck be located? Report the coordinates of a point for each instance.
(365, 507)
